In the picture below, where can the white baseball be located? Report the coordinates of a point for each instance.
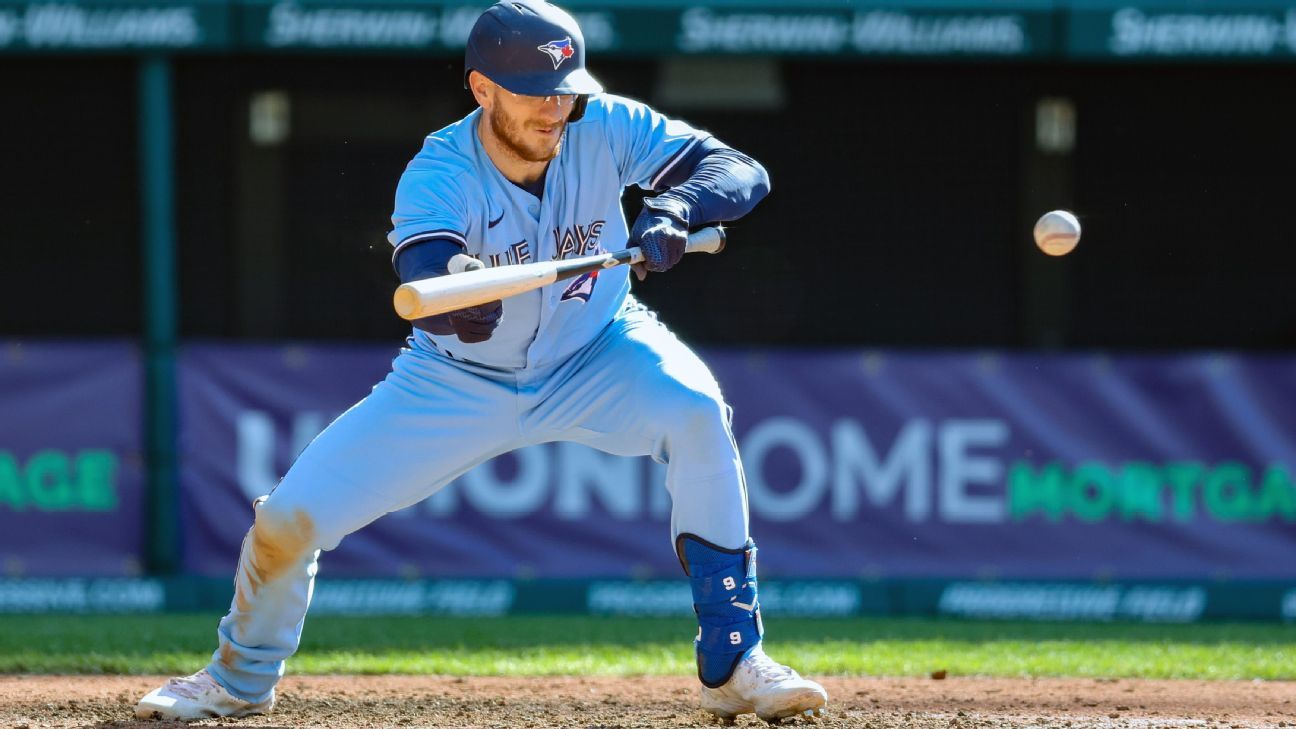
(1057, 232)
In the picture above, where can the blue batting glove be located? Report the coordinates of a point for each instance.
(661, 232)
(476, 323)
(471, 325)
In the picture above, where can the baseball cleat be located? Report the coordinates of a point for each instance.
(768, 689)
(196, 697)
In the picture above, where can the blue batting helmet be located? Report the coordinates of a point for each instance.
(532, 48)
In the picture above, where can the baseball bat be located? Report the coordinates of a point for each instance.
(440, 294)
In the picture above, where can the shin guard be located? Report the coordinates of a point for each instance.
(724, 598)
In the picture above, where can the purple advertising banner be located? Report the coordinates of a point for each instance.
(859, 464)
(71, 469)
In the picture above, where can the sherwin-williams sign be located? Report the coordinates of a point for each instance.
(1153, 29)
(392, 26)
(1002, 29)
(387, 26)
(114, 26)
(1168, 30)
(1006, 30)
(976, 29)
(71, 470)
(859, 465)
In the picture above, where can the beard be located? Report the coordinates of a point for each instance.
(508, 131)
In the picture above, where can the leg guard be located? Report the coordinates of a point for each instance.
(724, 598)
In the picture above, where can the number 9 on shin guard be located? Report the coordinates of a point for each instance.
(724, 597)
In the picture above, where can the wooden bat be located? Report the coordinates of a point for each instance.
(438, 295)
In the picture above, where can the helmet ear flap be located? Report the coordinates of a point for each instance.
(578, 108)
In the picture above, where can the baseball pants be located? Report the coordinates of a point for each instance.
(635, 390)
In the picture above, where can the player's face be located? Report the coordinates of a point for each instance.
(530, 126)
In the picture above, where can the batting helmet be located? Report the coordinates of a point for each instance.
(532, 48)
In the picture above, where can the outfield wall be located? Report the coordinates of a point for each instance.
(944, 483)
(1150, 602)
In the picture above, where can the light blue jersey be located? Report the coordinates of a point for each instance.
(453, 190)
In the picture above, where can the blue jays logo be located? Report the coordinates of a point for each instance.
(558, 51)
(582, 287)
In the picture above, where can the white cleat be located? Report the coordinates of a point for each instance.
(770, 690)
(196, 697)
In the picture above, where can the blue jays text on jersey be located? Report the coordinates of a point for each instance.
(452, 190)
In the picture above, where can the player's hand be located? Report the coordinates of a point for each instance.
(439, 324)
(476, 323)
(661, 232)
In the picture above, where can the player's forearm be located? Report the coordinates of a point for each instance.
(425, 259)
(724, 185)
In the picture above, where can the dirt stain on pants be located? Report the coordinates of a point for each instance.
(271, 548)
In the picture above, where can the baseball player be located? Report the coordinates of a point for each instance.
(536, 173)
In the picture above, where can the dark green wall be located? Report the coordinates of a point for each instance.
(903, 196)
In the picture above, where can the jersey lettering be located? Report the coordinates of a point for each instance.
(519, 252)
(577, 240)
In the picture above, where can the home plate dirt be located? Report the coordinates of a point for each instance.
(652, 702)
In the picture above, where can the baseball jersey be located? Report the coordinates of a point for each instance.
(453, 190)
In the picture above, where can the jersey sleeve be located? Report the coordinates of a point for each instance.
(430, 203)
(646, 144)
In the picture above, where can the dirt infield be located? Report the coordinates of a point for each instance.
(650, 703)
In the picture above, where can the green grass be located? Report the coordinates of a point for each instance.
(531, 646)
